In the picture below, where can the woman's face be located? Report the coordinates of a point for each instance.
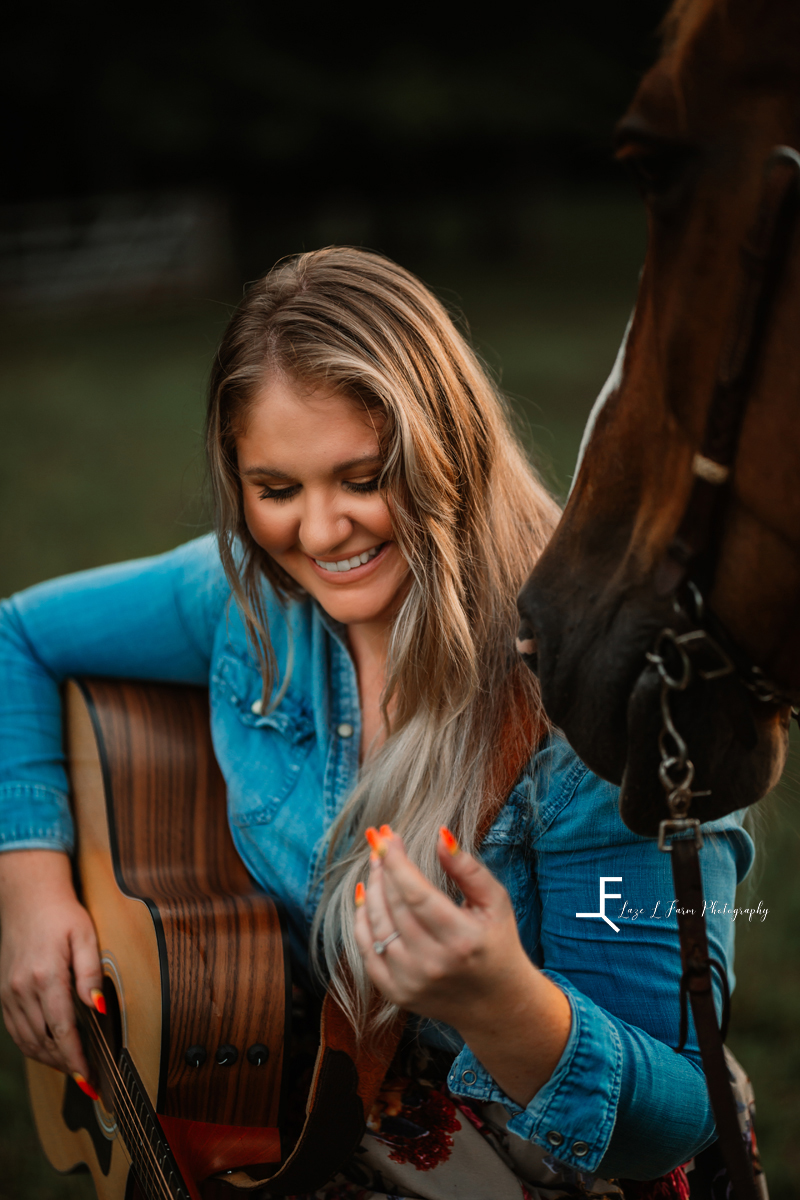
(308, 461)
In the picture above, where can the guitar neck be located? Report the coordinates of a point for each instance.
(125, 1097)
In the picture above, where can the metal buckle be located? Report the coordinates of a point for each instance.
(675, 825)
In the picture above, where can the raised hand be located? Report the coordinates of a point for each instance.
(460, 964)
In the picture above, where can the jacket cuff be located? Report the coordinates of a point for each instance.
(572, 1116)
(34, 817)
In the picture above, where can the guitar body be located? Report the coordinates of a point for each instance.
(193, 958)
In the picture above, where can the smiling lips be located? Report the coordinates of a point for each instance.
(348, 564)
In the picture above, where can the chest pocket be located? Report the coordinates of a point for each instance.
(264, 752)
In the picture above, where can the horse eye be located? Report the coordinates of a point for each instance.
(659, 170)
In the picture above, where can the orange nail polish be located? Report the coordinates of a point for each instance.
(361, 895)
(451, 845)
(84, 1086)
(376, 842)
(99, 1001)
(386, 831)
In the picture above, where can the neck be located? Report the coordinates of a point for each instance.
(369, 646)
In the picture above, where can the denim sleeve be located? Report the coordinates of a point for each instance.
(610, 1106)
(150, 619)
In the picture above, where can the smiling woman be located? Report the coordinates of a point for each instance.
(317, 510)
(391, 778)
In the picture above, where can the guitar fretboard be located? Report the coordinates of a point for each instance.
(149, 1151)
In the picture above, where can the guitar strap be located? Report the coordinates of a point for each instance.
(348, 1074)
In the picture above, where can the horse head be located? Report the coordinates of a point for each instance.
(685, 507)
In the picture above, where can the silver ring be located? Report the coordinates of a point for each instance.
(380, 947)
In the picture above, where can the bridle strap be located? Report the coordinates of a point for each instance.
(691, 559)
(696, 964)
(763, 258)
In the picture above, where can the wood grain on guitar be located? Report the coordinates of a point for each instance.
(190, 1058)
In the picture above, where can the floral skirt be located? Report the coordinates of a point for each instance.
(422, 1143)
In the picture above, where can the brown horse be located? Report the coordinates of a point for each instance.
(685, 510)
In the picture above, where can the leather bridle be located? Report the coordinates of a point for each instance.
(700, 648)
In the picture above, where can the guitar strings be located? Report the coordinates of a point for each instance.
(155, 1172)
(131, 1118)
(151, 1174)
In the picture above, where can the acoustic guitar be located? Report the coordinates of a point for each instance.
(189, 1057)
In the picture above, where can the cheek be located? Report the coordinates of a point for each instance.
(381, 522)
(273, 532)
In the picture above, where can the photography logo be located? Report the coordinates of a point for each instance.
(604, 895)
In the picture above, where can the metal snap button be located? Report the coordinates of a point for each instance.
(469, 1077)
(580, 1148)
(554, 1137)
(344, 730)
(256, 707)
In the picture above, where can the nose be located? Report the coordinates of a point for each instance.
(324, 524)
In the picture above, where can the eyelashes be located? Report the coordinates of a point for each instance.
(288, 493)
(369, 485)
(268, 493)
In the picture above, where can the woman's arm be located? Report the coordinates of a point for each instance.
(607, 1102)
(155, 619)
(150, 619)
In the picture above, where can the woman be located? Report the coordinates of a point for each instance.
(355, 624)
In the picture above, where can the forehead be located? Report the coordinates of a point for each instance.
(308, 421)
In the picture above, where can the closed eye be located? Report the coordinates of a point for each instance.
(363, 485)
(360, 487)
(659, 165)
(270, 493)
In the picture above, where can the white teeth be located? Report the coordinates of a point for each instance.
(347, 564)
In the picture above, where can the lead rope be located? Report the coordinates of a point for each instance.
(676, 773)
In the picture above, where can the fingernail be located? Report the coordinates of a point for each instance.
(99, 1001)
(84, 1086)
(386, 831)
(376, 842)
(451, 845)
(361, 895)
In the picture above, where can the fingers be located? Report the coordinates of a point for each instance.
(33, 1042)
(478, 886)
(45, 942)
(376, 965)
(86, 966)
(59, 1014)
(407, 888)
(40, 1017)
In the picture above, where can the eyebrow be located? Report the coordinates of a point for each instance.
(340, 468)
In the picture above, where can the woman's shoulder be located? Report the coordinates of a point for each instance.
(573, 808)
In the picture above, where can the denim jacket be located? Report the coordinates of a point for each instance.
(620, 1101)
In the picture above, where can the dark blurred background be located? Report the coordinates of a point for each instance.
(157, 157)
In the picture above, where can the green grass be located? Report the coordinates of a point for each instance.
(101, 460)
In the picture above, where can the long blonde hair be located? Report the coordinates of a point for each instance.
(469, 514)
